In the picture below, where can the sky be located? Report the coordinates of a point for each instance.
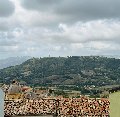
(40, 28)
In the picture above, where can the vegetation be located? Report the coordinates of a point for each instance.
(83, 73)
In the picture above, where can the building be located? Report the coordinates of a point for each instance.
(14, 92)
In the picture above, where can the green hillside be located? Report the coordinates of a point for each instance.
(75, 70)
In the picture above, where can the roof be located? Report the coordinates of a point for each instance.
(30, 95)
(14, 89)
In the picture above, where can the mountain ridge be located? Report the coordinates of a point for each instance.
(72, 70)
(12, 61)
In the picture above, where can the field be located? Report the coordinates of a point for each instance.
(115, 104)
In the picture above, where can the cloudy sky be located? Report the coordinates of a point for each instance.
(59, 27)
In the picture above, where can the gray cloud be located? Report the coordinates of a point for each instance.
(6, 8)
(43, 5)
(8, 39)
(7, 43)
(77, 10)
(3, 26)
(61, 28)
(89, 9)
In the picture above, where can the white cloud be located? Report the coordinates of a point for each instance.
(76, 46)
(98, 30)
(42, 32)
(94, 36)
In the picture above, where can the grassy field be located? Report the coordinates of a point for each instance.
(115, 104)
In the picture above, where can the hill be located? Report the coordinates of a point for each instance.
(73, 70)
(12, 61)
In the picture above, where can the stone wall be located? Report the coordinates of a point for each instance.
(59, 107)
(1, 103)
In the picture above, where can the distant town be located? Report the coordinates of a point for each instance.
(94, 76)
(58, 86)
(24, 100)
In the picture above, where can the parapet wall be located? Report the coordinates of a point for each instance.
(60, 107)
(1, 103)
